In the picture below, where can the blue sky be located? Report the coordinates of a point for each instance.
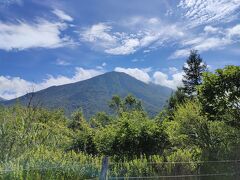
(53, 42)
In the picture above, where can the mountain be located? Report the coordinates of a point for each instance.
(93, 95)
(1, 99)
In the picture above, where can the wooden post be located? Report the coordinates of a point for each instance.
(237, 169)
(103, 175)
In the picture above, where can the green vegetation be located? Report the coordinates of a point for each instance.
(36, 143)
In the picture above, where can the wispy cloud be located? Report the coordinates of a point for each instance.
(211, 29)
(62, 15)
(62, 62)
(198, 12)
(146, 34)
(214, 38)
(233, 31)
(99, 35)
(139, 33)
(41, 34)
(102, 66)
(128, 46)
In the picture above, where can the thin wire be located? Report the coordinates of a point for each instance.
(176, 176)
(188, 162)
(59, 167)
(172, 162)
(41, 168)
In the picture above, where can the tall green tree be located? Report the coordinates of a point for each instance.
(193, 73)
(220, 95)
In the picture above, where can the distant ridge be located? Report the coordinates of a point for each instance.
(2, 99)
(93, 95)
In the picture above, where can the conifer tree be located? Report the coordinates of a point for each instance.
(193, 73)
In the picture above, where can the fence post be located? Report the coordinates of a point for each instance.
(103, 175)
(237, 169)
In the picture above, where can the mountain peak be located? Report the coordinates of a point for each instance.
(115, 73)
(93, 95)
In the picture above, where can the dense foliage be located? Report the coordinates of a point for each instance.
(39, 143)
(220, 95)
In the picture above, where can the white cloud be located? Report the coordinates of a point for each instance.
(141, 33)
(173, 80)
(62, 62)
(209, 43)
(180, 53)
(101, 66)
(173, 70)
(212, 43)
(99, 35)
(146, 51)
(199, 12)
(144, 32)
(140, 74)
(12, 87)
(192, 41)
(210, 29)
(62, 15)
(164, 80)
(215, 38)
(169, 12)
(234, 31)
(128, 47)
(42, 34)
(104, 64)
(137, 60)
(148, 38)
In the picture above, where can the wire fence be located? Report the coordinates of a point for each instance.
(199, 170)
(227, 169)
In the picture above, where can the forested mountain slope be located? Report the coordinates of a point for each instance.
(93, 95)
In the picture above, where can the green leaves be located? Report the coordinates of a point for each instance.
(23, 129)
(191, 129)
(131, 135)
(220, 95)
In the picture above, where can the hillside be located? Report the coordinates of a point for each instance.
(93, 95)
(1, 99)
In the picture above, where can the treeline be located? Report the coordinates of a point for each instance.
(200, 122)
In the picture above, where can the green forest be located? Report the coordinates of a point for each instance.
(199, 123)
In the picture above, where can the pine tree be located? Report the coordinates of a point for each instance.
(193, 73)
